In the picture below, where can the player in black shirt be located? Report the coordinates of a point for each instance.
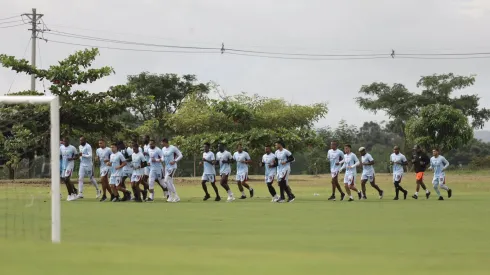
(420, 162)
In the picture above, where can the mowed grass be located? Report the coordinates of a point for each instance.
(253, 236)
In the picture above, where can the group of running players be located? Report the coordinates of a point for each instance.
(150, 164)
(349, 162)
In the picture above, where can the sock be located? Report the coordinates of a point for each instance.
(80, 186)
(152, 195)
(171, 186)
(282, 189)
(427, 191)
(94, 183)
(230, 193)
(243, 193)
(397, 191)
(417, 194)
(350, 196)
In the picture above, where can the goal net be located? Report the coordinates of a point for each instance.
(30, 168)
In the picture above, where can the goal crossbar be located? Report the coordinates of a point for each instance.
(54, 105)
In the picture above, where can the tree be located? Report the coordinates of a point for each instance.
(251, 121)
(401, 105)
(440, 126)
(80, 110)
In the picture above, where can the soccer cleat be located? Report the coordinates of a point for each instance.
(449, 193)
(281, 200)
(251, 193)
(427, 195)
(72, 197)
(217, 198)
(381, 194)
(415, 197)
(98, 193)
(359, 194)
(243, 197)
(332, 198)
(80, 196)
(441, 198)
(342, 196)
(291, 199)
(116, 199)
(275, 198)
(395, 199)
(364, 197)
(145, 193)
(405, 194)
(170, 198)
(206, 197)
(104, 198)
(149, 200)
(76, 191)
(176, 199)
(351, 199)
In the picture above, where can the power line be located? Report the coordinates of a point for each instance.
(129, 49)
(15, 76)
(306, 58)
(5, 27)
(8, 22)
(7, 18)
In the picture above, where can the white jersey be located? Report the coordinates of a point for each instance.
(157, 155)
(67, 152)
(439, 164)
(282, 156)
(86, 159)
(367, 169)
(116, 160)
(145, 152)
(269, 159)
(208, 167)
(171, 153)
(335, 156)
(398, 167)
(103, 154)
(224, 168)
(350, 163)
(241, 168)
(137, 160)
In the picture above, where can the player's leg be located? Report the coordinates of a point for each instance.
(151, 185)
(94, 183)
(239, 179)
(135, 180)
(81, 176)
(435, 183)
(364, 179)
(398, 188)
(113, 182)
(224, 184)
(169, 180)
(204, 179)
(121, 188)
(287, 188)
(269, 180)
(161, 182)
(215, 188)
(419, 178)
(442, 185)
(352, 186)
(372, 181)
(347, 189)
(336, 186)
(246, 185)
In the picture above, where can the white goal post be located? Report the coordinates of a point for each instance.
(54, 105)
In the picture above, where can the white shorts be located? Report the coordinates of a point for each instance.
(349, 179)
(127, 174)
(147, 171)
(225, 173)
(269, 178)
(334, 173)
(397, 177)
(136, 178)
(208, 178)
(115, 180)
(104, 172)
(369, 177)
(85, 171)
(283, 175)
(66, 173)
(241, 177)
(156, 174)
(170, 172)
(439, 180)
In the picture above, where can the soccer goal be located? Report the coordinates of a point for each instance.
(19, 218)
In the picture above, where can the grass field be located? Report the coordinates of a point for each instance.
(309, 236)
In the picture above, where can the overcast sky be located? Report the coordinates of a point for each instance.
(310, 26)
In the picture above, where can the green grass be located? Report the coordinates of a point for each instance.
(309, 236)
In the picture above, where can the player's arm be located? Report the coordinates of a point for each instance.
(446, 163)
(356, 162)
(75, 155)
(159, 157)
(248, 160)
(262, 162)
(290, 158)
(123, 162)
(426, 160)
(369, 162)
(341, 159)
(88, 154)
(179, 155)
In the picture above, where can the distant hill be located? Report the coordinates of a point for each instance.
(483, 135)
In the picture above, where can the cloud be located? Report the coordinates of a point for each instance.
(475, 8)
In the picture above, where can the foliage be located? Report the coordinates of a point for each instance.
(439, 126)
(80, 109)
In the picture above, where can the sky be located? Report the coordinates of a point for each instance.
(307, 26)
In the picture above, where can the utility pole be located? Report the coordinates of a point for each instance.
(34, 17)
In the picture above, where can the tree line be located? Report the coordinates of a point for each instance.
(191, 113)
